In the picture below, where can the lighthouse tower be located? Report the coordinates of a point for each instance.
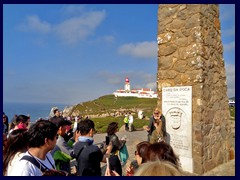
(127, 85)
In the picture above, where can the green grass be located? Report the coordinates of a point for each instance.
(109, 104)
(102, 123)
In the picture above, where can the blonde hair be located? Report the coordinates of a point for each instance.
(157, 109)
(158, 168)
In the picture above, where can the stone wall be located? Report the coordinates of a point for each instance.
(190, 53)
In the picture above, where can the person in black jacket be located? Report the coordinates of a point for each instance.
(156, 118)
(88, 155)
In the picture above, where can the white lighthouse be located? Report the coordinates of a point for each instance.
(140, 93)
(127, 85)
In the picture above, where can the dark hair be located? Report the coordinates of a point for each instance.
(85, 126)
(142, 149)
(21, 118)
(162, 151)
(39, 131)
(16, 142)
(54, 111)
(112, 128)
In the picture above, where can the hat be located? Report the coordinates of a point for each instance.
(60, 121)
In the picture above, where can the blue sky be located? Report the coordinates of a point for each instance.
(75, 53)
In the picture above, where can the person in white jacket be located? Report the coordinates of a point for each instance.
(130, 121)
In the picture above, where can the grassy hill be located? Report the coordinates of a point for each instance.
(109, 105)
(107, 109)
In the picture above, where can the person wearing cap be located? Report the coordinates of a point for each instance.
(157, 120)
(62, 152)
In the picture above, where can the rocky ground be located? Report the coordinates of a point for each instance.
(133, 138)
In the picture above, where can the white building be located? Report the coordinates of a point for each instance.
(140, 93)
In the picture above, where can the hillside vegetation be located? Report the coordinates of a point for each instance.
(109, 105)
(107, 109)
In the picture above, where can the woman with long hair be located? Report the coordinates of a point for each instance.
(162, 151)
(140, 155)
(17, 145)
(117, 144)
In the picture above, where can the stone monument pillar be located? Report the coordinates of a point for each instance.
(190, 57)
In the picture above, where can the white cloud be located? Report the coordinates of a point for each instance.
(140, 50)
(229, 47)
(71, 30)
(78, 28)
(230, 74)
(33, 23)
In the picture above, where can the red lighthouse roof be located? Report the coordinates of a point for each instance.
(127, 80)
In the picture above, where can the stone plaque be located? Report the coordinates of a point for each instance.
(177, 109)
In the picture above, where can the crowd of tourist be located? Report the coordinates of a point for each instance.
(47, 147)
